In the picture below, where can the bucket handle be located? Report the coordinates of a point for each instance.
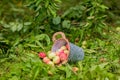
(58, 33)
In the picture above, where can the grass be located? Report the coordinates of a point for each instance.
(101, 62)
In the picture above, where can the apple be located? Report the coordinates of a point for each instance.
(56, 60)
(63, 48)
(42, 55)
(66, 51)
(57, 53)
(50, 63)
(48, 52)
(75, 69)
(60, 50)
(67, 46)
(51, 55)
(63, 57)
(46, 60)
(65, 61)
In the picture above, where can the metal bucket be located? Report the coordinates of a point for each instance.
(75, 53)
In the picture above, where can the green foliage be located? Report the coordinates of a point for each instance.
(113, 12)
(16, 26)
(27, 28)
(66, 24)
(37, 41)
(56, 20)
(88, 16)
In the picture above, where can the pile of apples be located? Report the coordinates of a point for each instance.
(55, 58)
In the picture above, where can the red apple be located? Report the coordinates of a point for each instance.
(63, 57)
(57, 53)
(60, 50)
(46, 60)
(56, 60)
(42, 55)
(67, 46)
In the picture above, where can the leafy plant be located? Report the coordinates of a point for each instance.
(38, 41)
(44, 11)
(89, 16)
(27, 26)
